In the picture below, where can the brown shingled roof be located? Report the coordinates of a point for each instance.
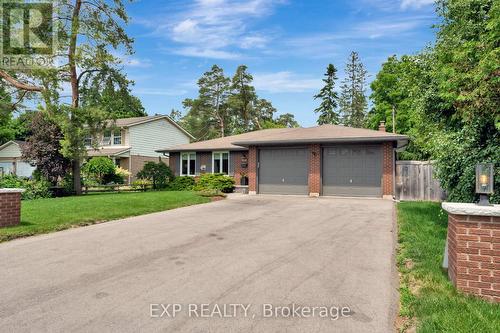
(300, 135)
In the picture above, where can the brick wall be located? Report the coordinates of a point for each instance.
(173, 163)
(252, 169)
(137, 163)
(314, 170)
(204, 158)
(238, 169)
(387, 168)
(474, 255)
(10, 208)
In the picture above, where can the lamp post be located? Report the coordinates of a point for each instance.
(484, 182)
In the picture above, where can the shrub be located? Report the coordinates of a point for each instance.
(99, 169)
(215, 181)
(34, 189)
(158, 173)
(142, 184)
(182, 183)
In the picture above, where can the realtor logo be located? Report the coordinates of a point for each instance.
(28, 34)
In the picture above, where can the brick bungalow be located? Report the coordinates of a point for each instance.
(323, 160)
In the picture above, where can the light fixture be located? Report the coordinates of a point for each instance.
(484, 182)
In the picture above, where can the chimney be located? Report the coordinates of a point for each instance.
(381, 127)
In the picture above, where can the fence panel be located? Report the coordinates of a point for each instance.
(415, 181)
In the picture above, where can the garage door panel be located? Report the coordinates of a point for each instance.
(283, 171)
(352, 170)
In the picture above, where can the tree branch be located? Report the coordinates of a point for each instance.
(18, 84)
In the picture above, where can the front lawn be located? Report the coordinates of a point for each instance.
(428, 298)
(47, 215)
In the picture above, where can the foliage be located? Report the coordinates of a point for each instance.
(109, 89)
(426, 294)
(327, 110)
(34, 189)
(43, 147)
(122, 172)
(181, 183)
(227, 107)
(38, 216)
(142, 184)
(215, 181)
(352, 99)
(99, 169)
(447, 96)
(158, 173)
(88, 34)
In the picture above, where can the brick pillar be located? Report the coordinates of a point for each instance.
(252, 170)
(387, 169)
(314, 170)
(10, 206)
(474, 249)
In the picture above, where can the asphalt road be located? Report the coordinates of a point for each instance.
(245, 264)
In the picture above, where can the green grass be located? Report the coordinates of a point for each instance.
(48, 215)
(427, 296)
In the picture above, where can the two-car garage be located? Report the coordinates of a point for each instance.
(346, 170)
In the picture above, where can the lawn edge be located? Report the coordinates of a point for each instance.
(64, 227)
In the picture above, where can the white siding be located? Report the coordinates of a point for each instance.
(148, 137)
(24, 169)
(11, 150)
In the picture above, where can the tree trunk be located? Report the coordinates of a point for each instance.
(77, 181)
(75, 22)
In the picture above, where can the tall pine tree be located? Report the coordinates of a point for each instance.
(327, 110)
(242, 99)
(353, 103)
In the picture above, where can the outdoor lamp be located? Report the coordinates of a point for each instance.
(484, 182)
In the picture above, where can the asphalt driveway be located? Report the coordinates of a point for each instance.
(264, 254)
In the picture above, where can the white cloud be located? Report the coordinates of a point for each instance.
(214, 28)
(285, 81)
(415, 3)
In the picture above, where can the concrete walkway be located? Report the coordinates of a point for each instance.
(284, 251)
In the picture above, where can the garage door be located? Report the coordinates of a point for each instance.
(352, 170)
(283, 171)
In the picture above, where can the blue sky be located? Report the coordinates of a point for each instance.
(286, 44)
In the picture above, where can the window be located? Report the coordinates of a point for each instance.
(106, 139)
(220, 162)
(88, 141)
(188, 164)
(117, 137)
(117, 162)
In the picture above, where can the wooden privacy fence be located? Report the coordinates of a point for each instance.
(415, 181)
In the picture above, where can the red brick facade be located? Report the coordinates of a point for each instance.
(387, 168)
(204, 158)
(314, 170)
(239, 170)
(474, 255)
(137, 163)
(10, 208)
(252, 169)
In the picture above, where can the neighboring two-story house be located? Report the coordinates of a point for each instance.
(131, 142)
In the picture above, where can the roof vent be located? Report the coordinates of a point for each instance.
(381, 127)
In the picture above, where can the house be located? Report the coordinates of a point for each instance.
(131, 142)
(323, 160)
(11, 161)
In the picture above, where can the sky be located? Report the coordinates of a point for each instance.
(286, 45)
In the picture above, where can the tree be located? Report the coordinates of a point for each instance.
(93, 27)
(109, 89)
(175, 115)
(242, 99)
(207, 116)
(99, 168)
(352, 100)
(263, 113)
(42, 148)
(159, 174)
(287, 120)
(327, 110)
